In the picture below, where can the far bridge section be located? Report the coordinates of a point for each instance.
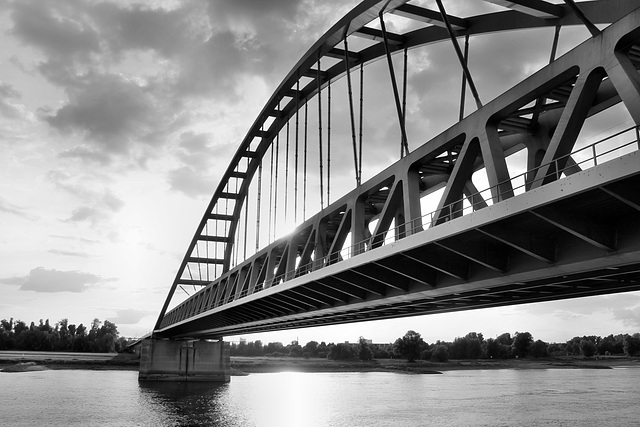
(567, 225)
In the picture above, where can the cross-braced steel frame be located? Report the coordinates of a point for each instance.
(569, 226)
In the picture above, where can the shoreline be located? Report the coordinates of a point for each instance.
(253, 365)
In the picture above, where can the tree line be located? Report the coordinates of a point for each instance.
(412, 347)
(63, 336)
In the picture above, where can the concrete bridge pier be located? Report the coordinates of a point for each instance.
(172, 360)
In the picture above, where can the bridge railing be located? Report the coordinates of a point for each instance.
(586, 157)
(583, 158)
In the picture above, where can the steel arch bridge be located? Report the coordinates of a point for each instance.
(419, 237)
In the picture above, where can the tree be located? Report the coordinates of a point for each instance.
(611, 345)
(323, 350)
(7, 325)
(294, 349)
(19, 327)
(492, 348)
(538, 349)
(409, 346)
(274, 349)
(106, 338)
(341, 352)
(631, 344)
(364, 351)
(505, 339)
(521, 343)
(587, 348)
(310, 349)
(440, 353)
(467, 347)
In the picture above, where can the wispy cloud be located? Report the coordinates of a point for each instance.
(69, 253)
(50, 281)
(629, 317)
(130, 316)
(10, 208)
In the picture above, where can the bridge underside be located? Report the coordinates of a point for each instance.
(575, 237)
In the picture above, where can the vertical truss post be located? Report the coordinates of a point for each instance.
(271, 148)
(275, 195)
(404, 97)
(353, 123)
(304, 168)
(286, 175)
(295, 187)
(246, 224)
(456, 47)
(360, 124)
(328, 143)
(258, 207)
(320, 135)
(394, 84)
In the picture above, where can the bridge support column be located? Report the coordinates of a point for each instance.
(171, 360)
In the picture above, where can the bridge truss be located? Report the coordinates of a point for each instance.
(419, 237)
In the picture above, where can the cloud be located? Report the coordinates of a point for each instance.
(77, 239)
(629, 317)
(57, 28)
(10, 208)
(69, 253)
(112, 202)
(8, 109)
(108, 109)
(86, 213)
(97, 205)
(195, 149)
(130, 316)
(49, 281)
(203, 160)
(140, 27)
(622, 306)
(85, 153)
(190, 182)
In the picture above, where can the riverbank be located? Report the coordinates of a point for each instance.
(252, 365)
(249, 365)
(35, 360)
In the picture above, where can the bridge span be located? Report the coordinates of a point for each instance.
(559, 215)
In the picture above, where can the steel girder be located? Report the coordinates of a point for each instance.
(576, 87)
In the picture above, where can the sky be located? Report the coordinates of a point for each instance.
(117, 119)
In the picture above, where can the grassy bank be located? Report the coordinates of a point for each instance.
(120, 361)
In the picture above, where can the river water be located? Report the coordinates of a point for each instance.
(541, 397)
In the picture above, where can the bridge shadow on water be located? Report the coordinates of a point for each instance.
(189, 403)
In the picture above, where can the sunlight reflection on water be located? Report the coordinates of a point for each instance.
(467, 398)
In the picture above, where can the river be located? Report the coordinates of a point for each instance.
(540, 397)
